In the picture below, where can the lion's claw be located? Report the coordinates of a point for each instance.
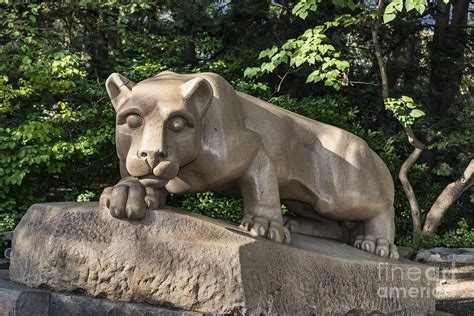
(245, 224)
(260, 226)
(129, 199)
(378, 246)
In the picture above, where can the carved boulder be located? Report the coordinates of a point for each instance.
(189, 262)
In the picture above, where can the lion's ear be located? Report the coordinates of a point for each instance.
(198, 92)
(119, 88)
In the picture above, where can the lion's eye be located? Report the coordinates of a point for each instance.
(177, 124)
(134, 121)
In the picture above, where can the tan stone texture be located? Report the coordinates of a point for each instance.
(187, 261)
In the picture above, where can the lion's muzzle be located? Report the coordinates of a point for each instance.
(166, 170)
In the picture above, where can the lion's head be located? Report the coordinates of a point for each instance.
(158, 124)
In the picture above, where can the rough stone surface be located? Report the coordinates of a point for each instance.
(34, 302)
(186, 261)
(75, 305)
(16, 300)
(446, 255)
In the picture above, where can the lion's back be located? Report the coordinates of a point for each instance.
(319, 158)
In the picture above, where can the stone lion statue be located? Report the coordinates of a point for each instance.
(189, 133)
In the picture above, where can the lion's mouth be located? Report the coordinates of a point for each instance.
(153, 181)
(161, 174)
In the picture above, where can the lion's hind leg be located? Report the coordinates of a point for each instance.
(379, 234)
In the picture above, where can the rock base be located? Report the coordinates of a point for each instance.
(181, 260)
(19, 300)
(446, 255)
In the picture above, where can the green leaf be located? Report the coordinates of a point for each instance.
(387, 17)
(410, 5)
(341, 64)
(314, 77)
(26, 60)
(351, 5)
(299, 62)
(269, 67)
(251, 72)
(398, 4)
(391, 10)
(406, 99)
(262, 54)
(415, 113)
(268, 52)
(420, 7)
(329, 83)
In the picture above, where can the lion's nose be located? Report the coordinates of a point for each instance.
(151, 155)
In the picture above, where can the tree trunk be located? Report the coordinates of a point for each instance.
(96, 42)
(190, 53)
(449, 195)
(447, 53)
(410, 65)
(403, 176)
(378, 49)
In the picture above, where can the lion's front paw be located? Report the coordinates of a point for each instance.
(260, 226)
(378, 246)
(129, 199)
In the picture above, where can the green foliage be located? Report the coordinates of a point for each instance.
(212, 205)
(334, 110)
(396, 6)
(8, 221)
(404, 109)
(460, 237)
(303, 7)
(86, 197)
(313, 48)
(392, 8)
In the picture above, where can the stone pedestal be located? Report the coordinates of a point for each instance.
(190, 262)
(20, 300)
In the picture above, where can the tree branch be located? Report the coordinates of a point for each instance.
(363, 82)
(413, 140)
(403, 176)
(449, 195)
(282, 78)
